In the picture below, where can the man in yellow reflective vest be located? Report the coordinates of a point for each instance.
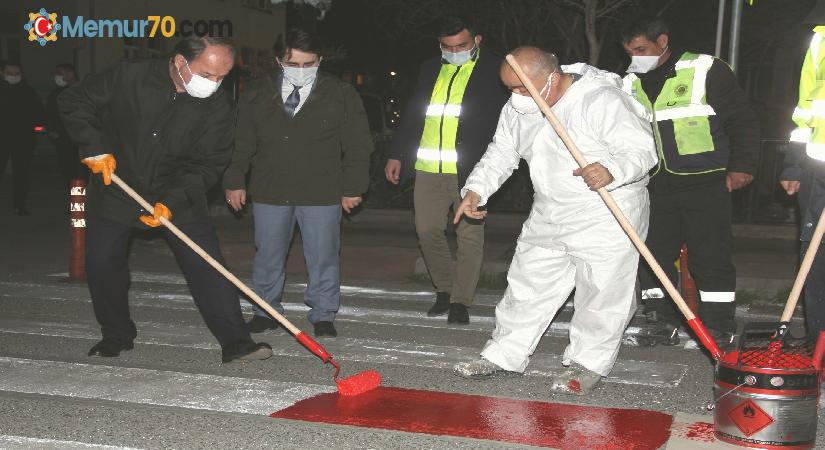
(444, 131)
(805, 165)
(708, 143)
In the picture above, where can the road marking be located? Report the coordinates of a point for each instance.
(377, 316)
(26, 443)
(299, 288)
(528, 422)
(153, 387)
(656, 374)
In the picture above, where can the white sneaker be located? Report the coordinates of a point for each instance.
(477, 369)
(576, 380)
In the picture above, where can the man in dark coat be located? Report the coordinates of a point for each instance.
(304, 140)
(804, 171)
(444, 132)
(169, 130)
(67, 157)
(22, 111)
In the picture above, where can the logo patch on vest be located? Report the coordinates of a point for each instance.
(680, 90)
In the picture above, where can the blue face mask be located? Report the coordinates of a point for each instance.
(457, 58)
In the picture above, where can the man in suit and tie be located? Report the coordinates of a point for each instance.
(305, 137)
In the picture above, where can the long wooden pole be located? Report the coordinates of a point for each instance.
(210, 260)
(804, 269)
(693, 321)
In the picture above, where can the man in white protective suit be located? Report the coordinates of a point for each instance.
(570, 238)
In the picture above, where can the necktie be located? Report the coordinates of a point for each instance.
(292, 101)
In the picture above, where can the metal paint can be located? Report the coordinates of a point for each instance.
(767, 397)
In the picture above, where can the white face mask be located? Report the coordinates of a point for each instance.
(457, 58)
(60, 81)
(12, 79)
(525, 104)
(644, 64)
(300, 76)
(199, 86)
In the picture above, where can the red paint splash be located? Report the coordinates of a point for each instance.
(500, 419)
(700, 431)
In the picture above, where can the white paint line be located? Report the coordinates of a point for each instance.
(153, 387)
(298, 288)
(664, 375)
(377, 316)
(27, 443)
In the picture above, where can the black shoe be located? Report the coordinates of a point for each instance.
(325, 328)
(259, 324)
(725, 340)
(441, 305)
(240, 351)
(110, 347)
(21, 212)
(656, 333)
(458, 314)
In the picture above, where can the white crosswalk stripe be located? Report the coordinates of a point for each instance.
(153, 387)
(28, 443)
(154, 295)
(352, 349)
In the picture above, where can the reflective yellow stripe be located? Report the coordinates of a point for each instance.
(445, 110)
(717, 297)
(816, 41)
(433, 154)
(684, 111)
(815, 151)
(437, 148)
(800, 134)
(802, 113)
(817, 110)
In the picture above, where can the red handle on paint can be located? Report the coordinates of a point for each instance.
(313, 346)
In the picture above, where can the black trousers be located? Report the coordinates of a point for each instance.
(107, 272)
(20, 152)
(815, 293)
(700, 216)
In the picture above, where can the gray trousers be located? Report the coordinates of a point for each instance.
(321, 233)
(436, 195)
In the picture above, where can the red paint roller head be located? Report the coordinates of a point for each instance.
(359, 383)
(350, 386)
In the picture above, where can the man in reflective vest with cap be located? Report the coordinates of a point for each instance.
(804, 171)
(708, 141)
(445, 129)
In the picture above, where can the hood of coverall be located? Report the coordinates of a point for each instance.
(591, 78)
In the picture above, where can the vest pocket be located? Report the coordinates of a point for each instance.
(693, 135)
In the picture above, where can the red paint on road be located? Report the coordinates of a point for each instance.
(701, 431)
(473, 416)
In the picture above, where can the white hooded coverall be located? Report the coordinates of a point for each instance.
(570, 238)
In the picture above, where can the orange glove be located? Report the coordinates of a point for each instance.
(103, 164)
(160, 211)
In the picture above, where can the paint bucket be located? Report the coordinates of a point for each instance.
(767, 393)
